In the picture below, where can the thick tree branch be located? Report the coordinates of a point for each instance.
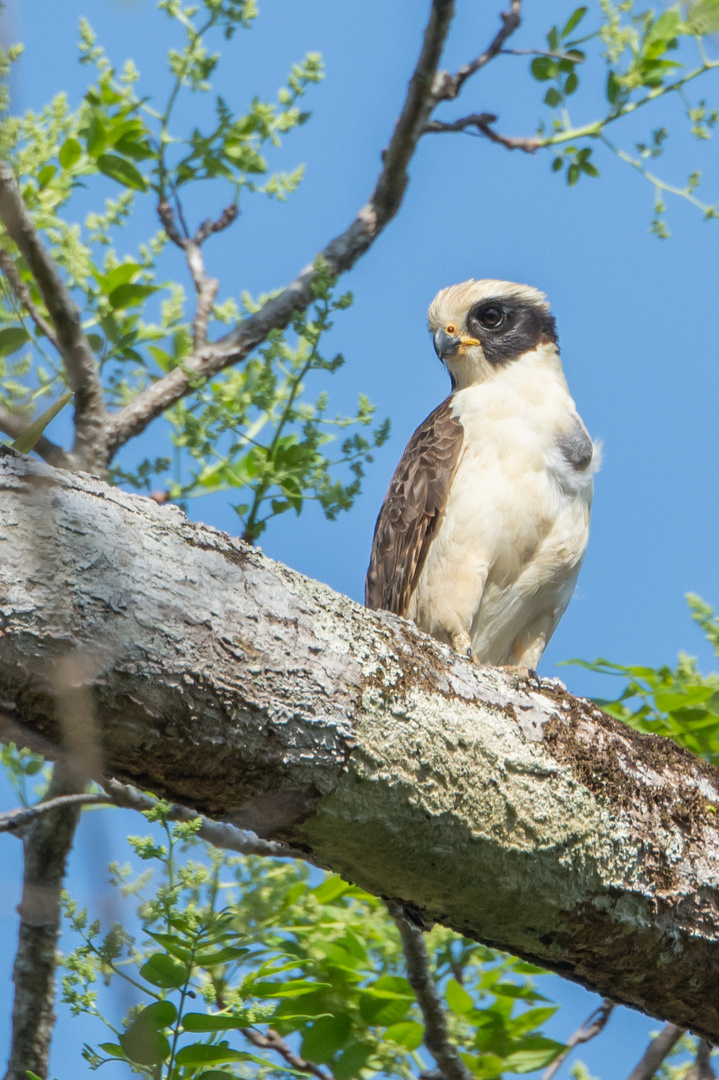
(419, 976)
(524, 818)
(47, 843)
(656, 1052)
(483, 122)
(15, 424)
(79, 359)
(341, 254)
(591, 1027)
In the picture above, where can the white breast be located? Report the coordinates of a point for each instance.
(505, 557)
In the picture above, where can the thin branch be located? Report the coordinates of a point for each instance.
(658, 1049)
(206, 287)
(15, 424)
(591, 1027)
(208, 227)
(272, 1041)
(46, 846)
(215, 832)
(450, 85)
(702, 1067)
(14, 820)
(540, 52)
(22, 293)
(79, 359)
(419, 976)
(482, 122)
(341, 254)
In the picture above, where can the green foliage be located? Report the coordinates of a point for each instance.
(678, 702)
(19, 765)
(233, 946)
(254, 431)
(647, 55)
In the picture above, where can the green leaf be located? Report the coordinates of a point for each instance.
(458, 999)
(535, 1052)
(557, 164)
(122, 171)
(144, 1043)
(664, 28)
(408, 1033)
(12, 339)
(131, 295)
(29, 438)
(331, 889)
(216, 1074)
(572, 174)
(220, 956)
(70, 152)
(112, 1049)
(574, 20)
(165, 971)
(45, 175)
(292, 989)
(351, 1061)
(571, 83)
(202, 1054)
(553, 97)
(213, 1022)
(613, 88)
(543, 68)
(325, 1037)
(96, 137)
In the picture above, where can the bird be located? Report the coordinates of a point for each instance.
(484, 526)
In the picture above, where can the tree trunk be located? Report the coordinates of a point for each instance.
(526, 819)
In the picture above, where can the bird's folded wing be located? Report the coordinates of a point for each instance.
(408, 519)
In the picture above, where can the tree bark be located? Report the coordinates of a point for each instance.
(524, 818)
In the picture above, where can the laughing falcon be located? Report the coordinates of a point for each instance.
(484, 527)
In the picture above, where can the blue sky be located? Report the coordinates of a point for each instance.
(636, 316)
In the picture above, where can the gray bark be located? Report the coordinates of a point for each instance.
(526, 819)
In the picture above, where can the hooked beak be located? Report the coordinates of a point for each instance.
(448, 345)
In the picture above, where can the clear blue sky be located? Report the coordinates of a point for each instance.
(636, 316)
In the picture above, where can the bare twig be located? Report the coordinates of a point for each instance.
(658, 1049)
(22, 293)
(208, 227)
(702, 1067)
(272, 1041)
(591, 1027)
(540, 52)
(215, 832)
(46, 845)
(450, 85)
(14, 820)
(78, 357)
(419, 976)
(15, 424)
(341, 254)
(482, 122)
(206, 287)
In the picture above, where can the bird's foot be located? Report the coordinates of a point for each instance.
(462, 644)
(527, 674)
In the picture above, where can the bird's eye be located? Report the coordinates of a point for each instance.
(491, 316)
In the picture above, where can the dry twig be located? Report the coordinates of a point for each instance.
(272, 1041)
(591, 1027)
(78, 357)
(450, 85)
(419, 976)
(14, 820)
(658, 1049)
(483, 122)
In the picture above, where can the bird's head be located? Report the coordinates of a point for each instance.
(479, 327)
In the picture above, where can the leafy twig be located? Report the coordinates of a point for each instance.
(79, 359)
(340, 255)
(22, 293)
(419, 976)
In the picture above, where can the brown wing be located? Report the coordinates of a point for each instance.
(416, 497)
